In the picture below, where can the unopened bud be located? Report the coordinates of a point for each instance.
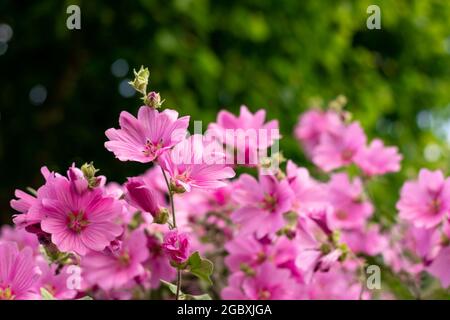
(140, 81)
(162, 216)
(89, 173)
(153, 100)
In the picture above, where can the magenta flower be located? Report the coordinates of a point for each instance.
(262, 204)
(115, 267)
(440, 267)
(176, 246)
(18, 273)
(312, 125)
(80, 222)
(247, 133)
(55, 282)
(144, 139)
(351, 209)
(197, 163)
(426, 201)
(338, 147)
(142, 197)
(376, 159)
(268, 283)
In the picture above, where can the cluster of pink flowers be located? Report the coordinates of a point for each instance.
(279, 234)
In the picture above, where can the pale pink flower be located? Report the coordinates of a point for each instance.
(80, 222)
(196, 163)
(247, 133)
(176, 246)
(338, 147)
(268, 283)
(262, 204)
(376, 159)
(21, 237)
(440, 267)
(55, 282)
(426, 201)
(312, 125)
(114, 267)
(144, 139)
(18, 273)
(351, 209)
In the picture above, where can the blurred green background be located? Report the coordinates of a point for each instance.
(61, 89)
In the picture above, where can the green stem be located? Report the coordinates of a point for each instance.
(172, 206)
(174, 225)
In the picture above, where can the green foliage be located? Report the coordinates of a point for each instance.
(200, 267)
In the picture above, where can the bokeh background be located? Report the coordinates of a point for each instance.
(61, 89)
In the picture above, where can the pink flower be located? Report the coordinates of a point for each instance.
(312, 125)
(21, 237)
(440, 267)
(262, 204)
(55, 282)
(247, 133)
(376, 159)
(115, 267)
(158, 263)
(370, 241)
(176, 246)
(338, 147)
(268, 283)
(18, 274)
(351, 209)
(147, 137)
(197, 163)
(142, 197)
(80, 222)
(425, 202)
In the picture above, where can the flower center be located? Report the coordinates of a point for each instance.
(261, 257)
(269, 203)
(435, 206)
(264, 294)
(124, 259)
(150, 148)
(341, 215)
(6, 294)
(347, 155)
(77, 221)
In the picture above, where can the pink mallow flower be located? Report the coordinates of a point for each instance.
(196, 162)
(268, 283)
(312, 125)
(56, 281)
(376, 159)
(426, 201)
(262, 204)
(351, 209)
(18, 273)
(158, 263)
(147, 137)
(114, 267)
(247, 133)
(143, 197)
(80, 222)
(176, 246)
(338, 147)
(440, 267)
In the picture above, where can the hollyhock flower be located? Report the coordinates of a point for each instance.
(144, 139)
(307, 191)
(312, 125)
(197, 163)
(376, 159)
(80, 222)
(176, 246)
(369, 241)
(268, 283)
(439, 268)
(18, 274)
(115, 267)
(262, 204)
(55, 282)
(158, 263)
(351, 210)
(426, 201)
(317, 252)
(141, 196)
(247, 133)
(338, 147)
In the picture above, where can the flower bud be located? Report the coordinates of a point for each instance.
(153, 100)
(140, 81)
(162, 216)
(89, 173)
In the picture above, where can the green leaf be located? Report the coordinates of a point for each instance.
(85, 298)
(46, 295)
(184, 296)
(200, 267)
